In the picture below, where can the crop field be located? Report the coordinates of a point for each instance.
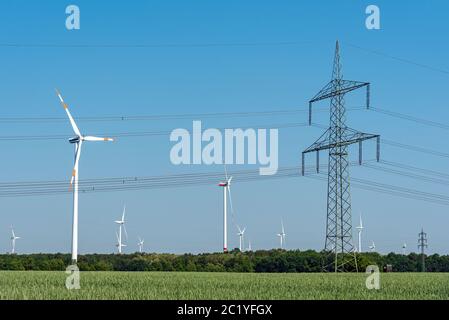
(239, 286)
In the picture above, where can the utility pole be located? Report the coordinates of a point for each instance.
(336, 139)
(422, 244)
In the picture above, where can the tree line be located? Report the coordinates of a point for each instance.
(234, 261)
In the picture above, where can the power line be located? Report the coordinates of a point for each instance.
(188, 116)
(141, 134)
(407, 61)
(415, 148)
(409, 175)
(413, 168)
(46, 188)
(154, 45)
(411, 118)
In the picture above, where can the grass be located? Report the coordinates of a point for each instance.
(238, 286)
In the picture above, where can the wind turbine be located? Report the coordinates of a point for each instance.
(360, 229)
(140, 244)
(249, 246)
(226, 185)
(404, 246)
(282, 235)
(241, 235)
(13, 241)
(121, 224)
(78, 142)
(372, 247)
(119, 244)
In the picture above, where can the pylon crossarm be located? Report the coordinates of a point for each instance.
(347, 139)
(334, 88)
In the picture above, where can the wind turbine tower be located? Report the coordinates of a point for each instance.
(360, 229)
(226, 185)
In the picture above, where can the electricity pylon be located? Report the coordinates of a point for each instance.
(336, 139)
(422, 244)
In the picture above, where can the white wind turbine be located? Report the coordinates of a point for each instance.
(282, 235)
(226, 185)
(360, 229)
(13, 241)
(249, 246)
(140, 244)
(241, 235)
(404, 247)
(78, 142)
(121, 224)
(372, 247)
(119, 244)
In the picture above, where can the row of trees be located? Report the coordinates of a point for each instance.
(235, 261)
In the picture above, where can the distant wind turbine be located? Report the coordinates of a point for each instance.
(282, 235)
(360, 229)
(121, 224)
(13, 241)
(404, 247)
(241, 234)
(119, 244)
(78, 142)
(140, 244)
(226, 185)
(249, 246)
(372, 247)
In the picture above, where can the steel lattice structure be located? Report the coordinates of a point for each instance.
(337, 138)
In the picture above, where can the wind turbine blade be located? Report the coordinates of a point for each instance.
(72, 121)
(244, 229)
(126, 233)
(12, 231)
(123, 213)
(230, 199)
(77, 158)
(282, 224)
(226, 172)
(118, 240)
(91, 138)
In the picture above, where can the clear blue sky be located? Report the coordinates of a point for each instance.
(178, 80)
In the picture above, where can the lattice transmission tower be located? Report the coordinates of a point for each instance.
(339, 248)
(422, 244)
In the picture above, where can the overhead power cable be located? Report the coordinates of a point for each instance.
(188, 116)
(145, 134)
(411, 118)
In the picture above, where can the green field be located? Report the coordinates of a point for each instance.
(175, 285)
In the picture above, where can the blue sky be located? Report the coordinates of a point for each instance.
(182, 79)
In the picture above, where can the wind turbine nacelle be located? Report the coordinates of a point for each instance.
(75, 139)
